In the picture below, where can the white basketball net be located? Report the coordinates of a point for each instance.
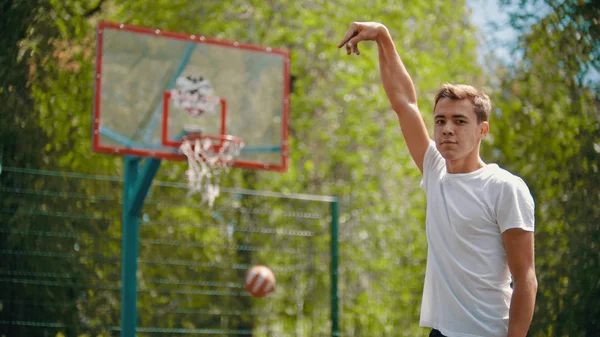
(206, 163)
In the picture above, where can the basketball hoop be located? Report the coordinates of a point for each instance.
(208, 156)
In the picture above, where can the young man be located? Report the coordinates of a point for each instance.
(480, 218)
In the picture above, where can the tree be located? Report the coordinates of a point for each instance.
(345, 140)
(546, 128)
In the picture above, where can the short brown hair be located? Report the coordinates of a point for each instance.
(480, 101)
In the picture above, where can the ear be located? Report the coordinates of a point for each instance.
(484, 129)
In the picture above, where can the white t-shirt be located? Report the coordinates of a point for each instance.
(467, 288)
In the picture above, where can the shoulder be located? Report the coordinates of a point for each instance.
(433, 166)
(500, 178)
(513, 203)
(503, 187)
(433, 159)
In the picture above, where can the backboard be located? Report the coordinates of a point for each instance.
(141, 74)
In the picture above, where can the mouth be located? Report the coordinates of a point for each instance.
(448, 142)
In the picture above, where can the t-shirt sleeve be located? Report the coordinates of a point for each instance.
(515, 207)
(433, 163)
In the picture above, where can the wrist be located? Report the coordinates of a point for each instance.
(383, 34)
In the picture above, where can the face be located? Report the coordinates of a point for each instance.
(456, 131)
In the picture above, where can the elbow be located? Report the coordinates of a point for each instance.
(527, 280)
(533, 288)
(532, 279)
(532, 282)
(403, 107)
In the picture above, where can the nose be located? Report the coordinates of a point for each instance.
(448, 129)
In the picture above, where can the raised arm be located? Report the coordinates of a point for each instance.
(397, 83)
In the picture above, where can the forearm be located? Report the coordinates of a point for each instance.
(522, 306)
(397, 83)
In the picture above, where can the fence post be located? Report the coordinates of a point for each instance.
(335, 326)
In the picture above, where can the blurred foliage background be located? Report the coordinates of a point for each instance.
(345, 141)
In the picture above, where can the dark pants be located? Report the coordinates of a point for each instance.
(435, 333)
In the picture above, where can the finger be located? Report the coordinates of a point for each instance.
(352, 48)
(352, 32)
(353, 44)
(349, 34)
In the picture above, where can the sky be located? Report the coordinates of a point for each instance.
(492, 20)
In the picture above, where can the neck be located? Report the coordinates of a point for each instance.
(470, 163)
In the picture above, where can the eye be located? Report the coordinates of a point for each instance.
(439, 122)
(461, 121)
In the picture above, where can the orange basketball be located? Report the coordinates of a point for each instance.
(260, 281)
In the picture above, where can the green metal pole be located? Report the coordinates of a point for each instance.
(136, 185)
(129, 250)
(335, 324)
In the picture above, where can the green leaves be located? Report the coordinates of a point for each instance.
(345, 141)
(545, 128)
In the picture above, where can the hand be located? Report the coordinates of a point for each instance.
(361, 31)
